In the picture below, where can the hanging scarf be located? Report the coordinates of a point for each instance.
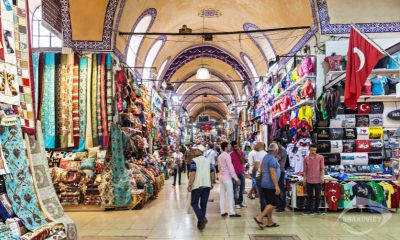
(94, 101)
(98, 101)
(122, 189)
(103, 101)
(35, 62)
(109, 93)
(48, 105)
(89, 138)
(65, 102)
(83, 67)
(19, 182)
(75, 100)
(47, 196)
(57, 100)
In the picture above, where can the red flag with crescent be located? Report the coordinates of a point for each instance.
(362, 57)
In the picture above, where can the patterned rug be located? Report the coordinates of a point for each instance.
(46, 194)
(274, 237)
(19, 184)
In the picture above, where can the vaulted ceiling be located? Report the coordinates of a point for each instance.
(229, 58)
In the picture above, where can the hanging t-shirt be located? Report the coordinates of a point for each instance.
(379, 195)
(375, 132)
(375, 120)
(348, 198)
(336, 146)
(349, 146)
(306, 113)
(334, 62)
(363, 145)
(362, 121)
(363, 193)
(395, 199)
(378, 85)
(302, 151)
(333, 193)
(388, 190)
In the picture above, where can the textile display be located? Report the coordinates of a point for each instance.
(103, 101)
(121, 183)
(109, 91)
(35, 63)
(19, 184)
(98, 100)
(46, 194)
(94, 119)
(57, 64)
(106, 186)
(65, 103)
(88, 137)
(23, 62)
(83, 66)
(75, 100)
(48, 105)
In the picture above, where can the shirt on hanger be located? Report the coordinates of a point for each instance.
(333, 193)
(378, 192)
(348, 199)
(378, 85)
(388, 190)
(363, 193)
(395, 199)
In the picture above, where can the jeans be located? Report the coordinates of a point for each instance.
(188, 170)
(200, 196)
(282, 196)
(226, 188)
(261, 195)
(239, 199)
(310, 196)
(177, 172)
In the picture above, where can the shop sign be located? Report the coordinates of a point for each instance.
(394, 115)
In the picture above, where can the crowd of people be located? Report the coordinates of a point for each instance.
(230, 165)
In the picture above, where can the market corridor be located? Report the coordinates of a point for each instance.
(170, 217)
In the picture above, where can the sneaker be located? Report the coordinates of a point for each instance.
(224, 214)
(235, 215)
(201, 225)
(243, 205)
(308, 213)
(238, 206)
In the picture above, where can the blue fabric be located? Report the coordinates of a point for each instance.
(83, 78)
(392, 64)
(269, 162)
(199, 202)
(378, 85)
(19, 183)
(120, 181)
(48, 114)
(35, 63)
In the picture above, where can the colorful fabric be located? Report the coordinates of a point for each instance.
(95, 137)
(57, 100)
(19, 182)
(83, 67)
(106, 187)
(88, 137)
(48, 105)
(65, 120)
(121, 183)
(109, 91)
(38, 234)
(46, 194)
(103, 101)
(98, 101)
(75, 100)
(35, 63)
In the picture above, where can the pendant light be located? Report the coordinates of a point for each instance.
(203, 73)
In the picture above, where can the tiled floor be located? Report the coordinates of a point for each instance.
(170, 217)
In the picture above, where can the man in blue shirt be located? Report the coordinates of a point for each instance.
(270, 173)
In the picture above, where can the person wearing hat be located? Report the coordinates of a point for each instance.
(200, 183)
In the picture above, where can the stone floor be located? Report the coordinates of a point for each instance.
(170, 217)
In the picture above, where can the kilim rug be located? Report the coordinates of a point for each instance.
(19, 183)
(46, 194)
(121, 183)
(103, 101)
(274, 237)
(106, 187)
(83, 67)
(109, 89)
(75, 100)
(89, 136)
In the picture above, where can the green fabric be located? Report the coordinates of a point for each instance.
(378, 190)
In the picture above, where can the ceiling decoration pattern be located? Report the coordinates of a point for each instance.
(205, 51)
(212, 72)
(117, 21)
(104, 44)
(162, 38)
(252, 68)
(249, 26)
(200, 90)
(328, 28)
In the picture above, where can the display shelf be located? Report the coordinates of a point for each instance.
(294, 85)
(374, 98)
(302, 103)
(340, 75)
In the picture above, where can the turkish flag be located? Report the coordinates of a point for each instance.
(362, 57)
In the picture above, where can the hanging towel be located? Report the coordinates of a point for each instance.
(89, 136)
(75, 100)
(83, 67)
(48, 113)
(94, 101)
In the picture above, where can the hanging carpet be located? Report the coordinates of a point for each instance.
(83, 67)
(48, 113)
(95, 137)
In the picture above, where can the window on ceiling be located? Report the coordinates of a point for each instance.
(163, 65)
(251, 66)
(143, 25)
(261, 40)
(151, 57)
(41, 36)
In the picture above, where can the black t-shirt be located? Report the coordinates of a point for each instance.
(363, 193)
(362, 120)
(349, 146)
(337, 133)
(350, 133)
(324, 146)
(376, 108)
(323, 134)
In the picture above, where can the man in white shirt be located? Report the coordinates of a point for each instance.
(178, 157)
(260, 147)
(211, 154)
(200, 184)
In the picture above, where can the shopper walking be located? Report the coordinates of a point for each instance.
(282, 158)
(238, 161)
(200, 184)
(177, 156)
(270, 172)
(260, 146)
(189, 155)
(226, 174)
(313, 168)
(254, 158)
(211, 154)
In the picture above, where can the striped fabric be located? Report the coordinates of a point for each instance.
(83, 76)
(103, 101)
(75, 100)
(98, 101)
(48, 106)
(109, 96)
(94, 101)
(57, 100)
(65, 105)
(89, 139)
